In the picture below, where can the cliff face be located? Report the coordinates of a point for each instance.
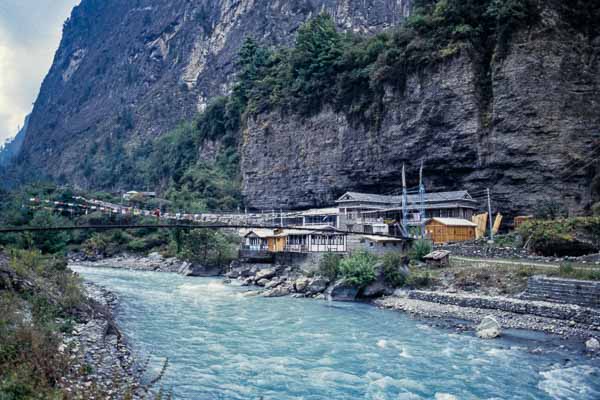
(127, 71)
(529, 132)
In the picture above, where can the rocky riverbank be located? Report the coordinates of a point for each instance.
(96, 347)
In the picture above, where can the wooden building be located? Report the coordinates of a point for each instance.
(257, 239)
(519, 220)
(373, 207)
(307, 241)
(446, 230)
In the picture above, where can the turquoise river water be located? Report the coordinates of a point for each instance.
(224, 345)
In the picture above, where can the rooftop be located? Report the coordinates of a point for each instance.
(453, 221)
(412, 198)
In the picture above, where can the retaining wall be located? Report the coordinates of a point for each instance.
(569, 312)
(558, 290)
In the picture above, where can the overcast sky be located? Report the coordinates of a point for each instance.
(29, 35)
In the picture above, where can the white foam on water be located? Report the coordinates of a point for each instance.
(445, 396)
(381, 343)
(411, 384)
(408, 396)
(569, 383)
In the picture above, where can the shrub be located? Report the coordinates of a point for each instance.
(329, 266)
(418, 279)
(359, 268)
(392, 263)
(420, 249)
(207, 247)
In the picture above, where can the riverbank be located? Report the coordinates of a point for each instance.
(96, 346)
(462, 311)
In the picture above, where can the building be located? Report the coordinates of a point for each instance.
(363, 208)
(257, 239)
(135, 194)
(312, 217)
(378, 245)
(446, 230)
(318, 240)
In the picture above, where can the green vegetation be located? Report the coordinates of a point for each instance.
(39, 297)
(566, 270)
(420, 248)
(568, 236)
(419, 279)
(392, 273)
(350, 72)
(329, 266)
(358, 269)
(206, 247)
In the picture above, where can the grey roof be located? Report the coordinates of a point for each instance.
(412, 198)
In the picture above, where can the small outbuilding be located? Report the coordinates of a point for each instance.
(381, 245)
(438, 258)
(446, 230)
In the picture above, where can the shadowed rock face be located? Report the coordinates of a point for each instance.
(532, 138)
(127, 71)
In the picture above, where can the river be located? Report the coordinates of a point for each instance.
(224, 345)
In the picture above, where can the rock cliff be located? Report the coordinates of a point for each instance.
(128, 71)
(529, 130)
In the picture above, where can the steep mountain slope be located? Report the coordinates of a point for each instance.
(12, 147)
(128, 71)
(523, 121)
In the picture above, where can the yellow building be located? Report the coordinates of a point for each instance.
(446, 230)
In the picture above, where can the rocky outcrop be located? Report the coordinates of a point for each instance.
(128, 71)
(527, 131)
(341, 290)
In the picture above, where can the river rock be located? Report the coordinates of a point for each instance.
(201, 270)
(377, 288)
(592, 344)
(262, 282)
(301, 284)
(265, 273)
(317, 285)
(273, 283)
(341, 290)
(489, 328)
(281, 290)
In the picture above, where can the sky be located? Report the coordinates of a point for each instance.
(30, 32)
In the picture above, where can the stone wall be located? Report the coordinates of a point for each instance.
(307, 262)
(568, 312)
(556, 290)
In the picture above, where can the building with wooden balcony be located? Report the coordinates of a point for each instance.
(363, 208)
(325, 239)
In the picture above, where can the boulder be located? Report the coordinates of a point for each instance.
(376, 289)
(301, 284)
(274, 283)
(201, 270)
(262, 282)
(341, 290)
(592, 345)
(281, 290)
(489, 328)
(265, 273)
(317, 285)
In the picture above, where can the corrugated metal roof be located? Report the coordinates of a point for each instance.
(381, 239)
(453, 221)
(321, 211)
(262, 233)
(412, 198)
